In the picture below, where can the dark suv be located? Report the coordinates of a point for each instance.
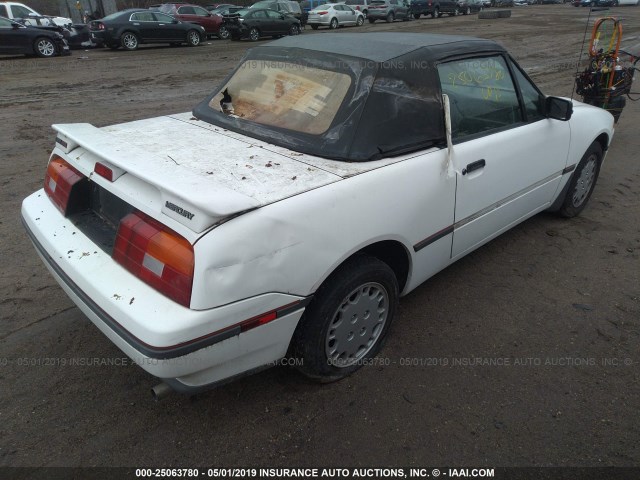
(435, 8)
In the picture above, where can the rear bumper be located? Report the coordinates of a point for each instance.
(164, 338)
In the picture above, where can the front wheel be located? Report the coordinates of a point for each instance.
(193, 38)
(44, 47)
(346, 323)
(254, 34)
(129, 41)
(390, 17)
(334, 24)
(359, 21)
(224, 33)
(455, 13)
(582, 182)
(294, 30)
(314, 27)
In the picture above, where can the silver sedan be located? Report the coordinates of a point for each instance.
(334, 15)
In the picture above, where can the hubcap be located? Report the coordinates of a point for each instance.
(254, 35)
(357, 324)
(224, 33)
(194, 38)
(585, 181)
(130, 41)
(46, 48)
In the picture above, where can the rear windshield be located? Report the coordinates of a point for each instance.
(285, 95)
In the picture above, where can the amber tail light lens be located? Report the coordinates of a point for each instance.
(59, 182)
(157, 255)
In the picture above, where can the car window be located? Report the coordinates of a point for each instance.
(3, 11)
(186, 11)
(161, 17)
(201, 12)
(286, 95)
(481, 93)
(260, 14)
(272, 14)
(532, 98)
(20, 11)
(143, 17)
(4, 23)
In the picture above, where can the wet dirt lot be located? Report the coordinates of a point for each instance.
(524, 353)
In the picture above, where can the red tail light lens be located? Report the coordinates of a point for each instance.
(103, 171)
(156, 255)
(59, 180)
(323, 13)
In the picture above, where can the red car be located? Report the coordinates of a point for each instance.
(187, 12)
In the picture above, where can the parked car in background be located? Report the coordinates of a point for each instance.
(15, 11)
(502, 3)
(628, 2)
(388, 10)
(477, 5)
(360, 5)
(19, 39)
(186, 12)
(286, 7)
(334, 15)
(434, 8)
(130, 28)
(225, 9)
(218, 255)
(254, 23)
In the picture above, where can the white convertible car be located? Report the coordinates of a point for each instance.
(291, 209)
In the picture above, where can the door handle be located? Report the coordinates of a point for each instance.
(478, 164)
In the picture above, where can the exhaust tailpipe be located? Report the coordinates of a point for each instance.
(161, 391)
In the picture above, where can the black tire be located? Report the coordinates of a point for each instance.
(254, 34)
(582, 182)
(333, 24)
(193, 38)
(129, 41)
(314, 27)
(488, 15)
(359, 21)
(416, 16)
(390, 17)
(294, 29)
(361, 283)
(45, 47)
(372, 20)
(223, 33)
(455, 12)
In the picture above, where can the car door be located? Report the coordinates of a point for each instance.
(347, 14)
(276, 22)
(168, 28)
(12, 39)
(509, 158)
(262, 22)
(146, 26)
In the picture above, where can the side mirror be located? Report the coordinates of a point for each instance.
(558, 108)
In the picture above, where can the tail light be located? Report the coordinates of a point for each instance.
(156, 255)
(324, 12)
(59, 182)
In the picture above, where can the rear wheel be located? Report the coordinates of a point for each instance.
(193, 38)
(416, 16)
(129, 41)
(390, 17)
(582, 182)
(334, 24)
(44, 47)
(254, 34)
(455, 13)
(372, 20)
(314, 27)
(348, 319)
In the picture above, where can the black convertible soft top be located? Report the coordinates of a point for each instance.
(393, 104)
